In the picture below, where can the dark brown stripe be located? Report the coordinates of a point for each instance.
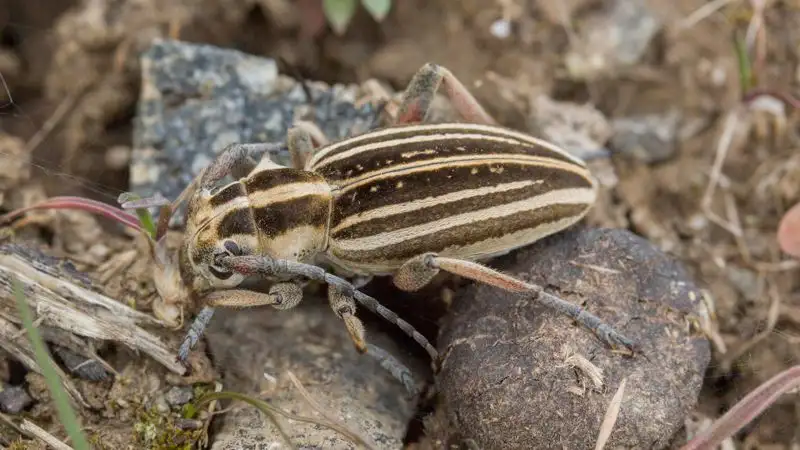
(276, 219)
(267, 179)
(381, 158)
(444, 210)
(237, 221)
(227, 194)
(462, 235)
(435, 182)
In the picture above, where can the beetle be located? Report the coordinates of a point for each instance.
(408, 200)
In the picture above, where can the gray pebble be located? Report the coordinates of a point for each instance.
(516, 375)
(14, 399)
(648, 138)
(179, 395)
(254, 350)
(80, 366)
(612, 38)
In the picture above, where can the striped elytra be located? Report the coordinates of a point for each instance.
(461, 190)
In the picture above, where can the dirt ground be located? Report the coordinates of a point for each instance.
(72, 72)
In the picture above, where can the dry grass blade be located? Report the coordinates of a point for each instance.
(724, 144)
(772, 319)
(610, 418)
(352, 435)
(702, 13)
(70, 306)
(270, 410)
(66, 105)
(746, 410)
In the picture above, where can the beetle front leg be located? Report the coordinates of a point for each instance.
(422, 89)
(281, 296)
(237, 160)
(418, 271)
(263, 265)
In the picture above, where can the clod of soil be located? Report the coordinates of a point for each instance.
(255, 350)
(515, 375)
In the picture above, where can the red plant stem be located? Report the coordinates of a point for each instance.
(746, 410)
(83, 204)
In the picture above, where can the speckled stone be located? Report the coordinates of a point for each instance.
(256, 349)
(196, 99)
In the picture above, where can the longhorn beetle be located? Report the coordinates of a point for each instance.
(408, 200)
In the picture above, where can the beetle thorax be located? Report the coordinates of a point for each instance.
(282, 213)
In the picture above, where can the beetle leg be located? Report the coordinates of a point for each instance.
(422, 89)
(281, 296)
(417, 272)
(237, 160)
(345, 308)
(263, 265)
(303, 138)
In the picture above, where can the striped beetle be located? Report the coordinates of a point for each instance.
(408, 200)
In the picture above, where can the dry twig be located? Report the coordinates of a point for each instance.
(67, 305)
(42, 435)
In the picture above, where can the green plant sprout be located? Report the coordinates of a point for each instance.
(339, 13)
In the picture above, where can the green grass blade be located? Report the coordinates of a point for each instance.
(746, 80)
(65, 412)
(145, 218)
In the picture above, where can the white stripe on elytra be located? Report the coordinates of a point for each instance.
(402, 208)
(395, 237)
(506, 135)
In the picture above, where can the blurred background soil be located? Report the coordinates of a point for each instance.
(72, 72)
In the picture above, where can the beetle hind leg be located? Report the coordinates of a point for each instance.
(417, 272)
(422, 89)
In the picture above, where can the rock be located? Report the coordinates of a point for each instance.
(580, 129)
(518, 376)
(648, 138)
(611, 38)
(256, 349)
(196, 99)
(80, 366)
(14, 399)
(179, 395)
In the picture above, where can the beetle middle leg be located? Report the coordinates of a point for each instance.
(419, 271)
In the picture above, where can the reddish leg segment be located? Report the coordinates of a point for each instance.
(422, 89)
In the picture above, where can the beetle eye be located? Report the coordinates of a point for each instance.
(233, 248)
